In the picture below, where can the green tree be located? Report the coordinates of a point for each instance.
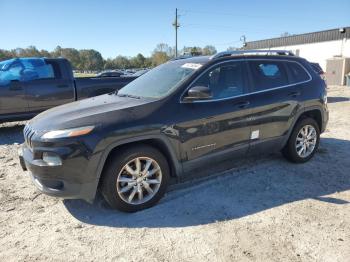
(161, 54)
(209, 50)
(32, 51)
(191, 50)
(138, 61)
(121, 62)
(195, 51)
(90, 59)
(73, 56)
(45, 53)
(159, 58)
(18, 52)
(57, 52)
(4, 55)
(109, 64)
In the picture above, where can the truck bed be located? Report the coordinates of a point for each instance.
(94, 86)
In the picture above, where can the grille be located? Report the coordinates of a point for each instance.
(28, 132)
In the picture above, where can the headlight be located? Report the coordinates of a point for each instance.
(68, 132)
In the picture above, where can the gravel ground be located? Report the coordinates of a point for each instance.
(262, 209)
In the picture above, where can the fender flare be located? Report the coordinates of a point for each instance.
(177, 165)
(297, 117)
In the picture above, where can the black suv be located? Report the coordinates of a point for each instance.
(179, 116)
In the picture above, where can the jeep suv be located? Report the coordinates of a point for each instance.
(179, 116)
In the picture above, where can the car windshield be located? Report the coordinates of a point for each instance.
(161, 80)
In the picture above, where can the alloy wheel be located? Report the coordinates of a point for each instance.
(139, 180)
(306, 141)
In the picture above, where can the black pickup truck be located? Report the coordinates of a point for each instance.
(29, 86)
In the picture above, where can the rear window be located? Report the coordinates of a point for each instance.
(297, 72)
(34, 68)
(268, 74)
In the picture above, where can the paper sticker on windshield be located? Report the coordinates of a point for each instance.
(191, 66)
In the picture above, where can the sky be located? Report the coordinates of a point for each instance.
(131, 27)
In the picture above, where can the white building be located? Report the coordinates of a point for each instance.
(316, 47)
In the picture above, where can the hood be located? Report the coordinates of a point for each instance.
(97, 110)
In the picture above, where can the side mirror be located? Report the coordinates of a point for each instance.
(198, 93)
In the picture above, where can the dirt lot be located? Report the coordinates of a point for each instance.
(263, 209)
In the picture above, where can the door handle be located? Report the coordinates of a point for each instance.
(243, 104)
(62, 86)
(294, 94)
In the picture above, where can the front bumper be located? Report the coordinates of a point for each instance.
(71, 180)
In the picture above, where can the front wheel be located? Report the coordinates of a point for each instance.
(135, 179)
(303, 142)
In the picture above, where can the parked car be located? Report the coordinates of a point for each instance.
(180, 116)
(110, 74)
(29, 86)
(140, 72)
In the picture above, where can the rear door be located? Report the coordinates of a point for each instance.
(12, 93)
(46, 85)
(275, 99)
(219, 125)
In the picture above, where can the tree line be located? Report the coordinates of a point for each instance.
(92, 60)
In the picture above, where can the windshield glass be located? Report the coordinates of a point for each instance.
(161, 80)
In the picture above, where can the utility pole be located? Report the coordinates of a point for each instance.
(176, 25)
(243, 39)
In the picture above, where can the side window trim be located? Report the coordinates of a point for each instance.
(248, 79)
(245, 81)
(290, 78)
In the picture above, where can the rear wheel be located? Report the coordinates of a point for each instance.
(303, 141)
(135, 179)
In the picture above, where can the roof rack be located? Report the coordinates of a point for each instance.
(252, 52)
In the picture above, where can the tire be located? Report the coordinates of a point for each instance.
(118, 177)
(290, 151)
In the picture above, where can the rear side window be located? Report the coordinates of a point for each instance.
(56, 69)
(297, 72)
(268, 74)
(34, 68)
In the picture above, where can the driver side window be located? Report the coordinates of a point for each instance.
(225, 80)
(26, 69)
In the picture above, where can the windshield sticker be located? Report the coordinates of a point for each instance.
(192, 66)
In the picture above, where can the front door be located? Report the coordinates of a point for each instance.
(12, 92)
(218, 125)
(45, 85)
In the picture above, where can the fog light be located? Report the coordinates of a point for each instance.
(52, 159)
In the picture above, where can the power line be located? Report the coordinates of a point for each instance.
(290, 15)
(222, 28)
(222, 13)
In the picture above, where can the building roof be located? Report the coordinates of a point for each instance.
(308, 38)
